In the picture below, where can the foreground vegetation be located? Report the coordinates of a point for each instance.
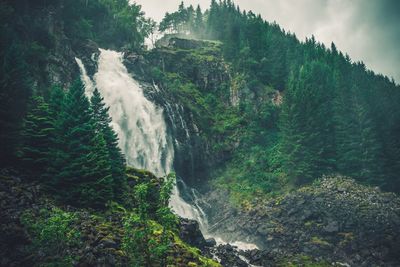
(43, 231)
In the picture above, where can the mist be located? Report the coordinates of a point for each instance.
(366, 30)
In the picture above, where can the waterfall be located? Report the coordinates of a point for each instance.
(141, 128)
(139, 123)
(89, 86)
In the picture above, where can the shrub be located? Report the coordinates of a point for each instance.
(53, 235)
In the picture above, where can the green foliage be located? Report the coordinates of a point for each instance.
(183, 20)
(53, 235)
(121, 23)
(57, 97)
(71, 146)
(37, 138)
(83, 164)
(302, 260)
(336, 115)
(358, 147)
(102, 122)
(140, 242)
(146, 241)
(307, 126)
(166, 217)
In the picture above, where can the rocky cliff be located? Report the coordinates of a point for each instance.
(175, 75)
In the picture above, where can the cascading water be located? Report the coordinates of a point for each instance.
(89, 86)
(141, 128)
(139, 123)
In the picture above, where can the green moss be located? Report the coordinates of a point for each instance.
(318, 241)
(347, 238)
(302, 261)
(194, 253)
(308, 224)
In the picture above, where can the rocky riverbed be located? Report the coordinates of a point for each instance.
(335, 221)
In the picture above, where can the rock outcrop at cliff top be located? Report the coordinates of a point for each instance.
(335, 220)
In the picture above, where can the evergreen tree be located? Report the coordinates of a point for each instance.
(103, 126)
(165, 216)
(56, 100)
(85, 177)
(307, 124)
(190, 19)
(198, 23)
(37, 139)
(58, 151)
(358, 148)
(97, 188)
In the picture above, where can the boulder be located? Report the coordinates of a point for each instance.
(189, 231)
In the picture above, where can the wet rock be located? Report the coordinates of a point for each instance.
(210, 242)
(189, 232)
(229, 256)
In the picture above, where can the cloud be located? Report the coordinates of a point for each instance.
(368, 31)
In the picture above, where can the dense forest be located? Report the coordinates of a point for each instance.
(272, 120)
(337, 116)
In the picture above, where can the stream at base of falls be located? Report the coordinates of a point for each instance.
(142, 131)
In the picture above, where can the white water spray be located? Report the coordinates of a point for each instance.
(89, 86)
(141, 129)
(139, 123)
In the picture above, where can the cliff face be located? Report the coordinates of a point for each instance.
(198, 61)
(200, 64)
(214, 112)
(49, 51)
(176, 75)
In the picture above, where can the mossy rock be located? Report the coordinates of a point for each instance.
(320, 242)
(302, 261)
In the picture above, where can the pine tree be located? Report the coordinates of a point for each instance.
(84, 178)
(307, 142)
(103, 125)
(98, 189)
(198, 23)
(358, 148)
(37, 139)
(295, 156)
(58, 151)
(56, 101)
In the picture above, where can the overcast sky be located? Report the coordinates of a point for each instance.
(368, 30)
